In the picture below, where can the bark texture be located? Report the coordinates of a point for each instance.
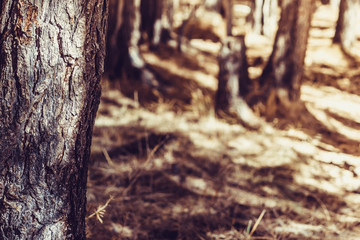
(285, 67)
(52, 56)
(347, 28)
(234, 82)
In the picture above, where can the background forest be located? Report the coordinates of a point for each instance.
(228, 120)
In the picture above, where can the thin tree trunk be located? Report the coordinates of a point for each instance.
(265, 17)
(167, 20)
(347, 25)
(123, 48)
(229, 16)
(270, 13)
(149, 14)
(234, 82)
(156, 20)
(184, 25)
(51, 60)
(258, 16)
(112, 47)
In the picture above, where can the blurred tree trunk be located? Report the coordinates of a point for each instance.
(51, 61)
(183, 26)
(265, 16)
(228, 5)
(283, 73)
(156, 20)
(124, 59)
(347, 25)
(258, 16)
(234, 82)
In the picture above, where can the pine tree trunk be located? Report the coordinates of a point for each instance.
(347, 25)
(270, 12)
(265, 17)
(149, 14)
(229, 16)
(124, 34)
(113, 58)
(285, 67)
(258, 17)
(156, 20)
(234, 82)
(51, 60)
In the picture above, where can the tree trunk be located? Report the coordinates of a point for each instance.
(124, 57)
(113, 58)
(229, 16)
(285, 66)
(270, 12)
(150, 13)
(51, 60)
(234, 82)
(347, 25)
(265, 17)
(156, 20)
(283, 72)
(258, 16)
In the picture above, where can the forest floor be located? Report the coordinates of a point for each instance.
(169, 169)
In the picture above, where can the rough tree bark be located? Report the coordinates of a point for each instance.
(124, 57)
(234, 82)
(265, 16)
(347, 25)
(283, 73)
(51, 60)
